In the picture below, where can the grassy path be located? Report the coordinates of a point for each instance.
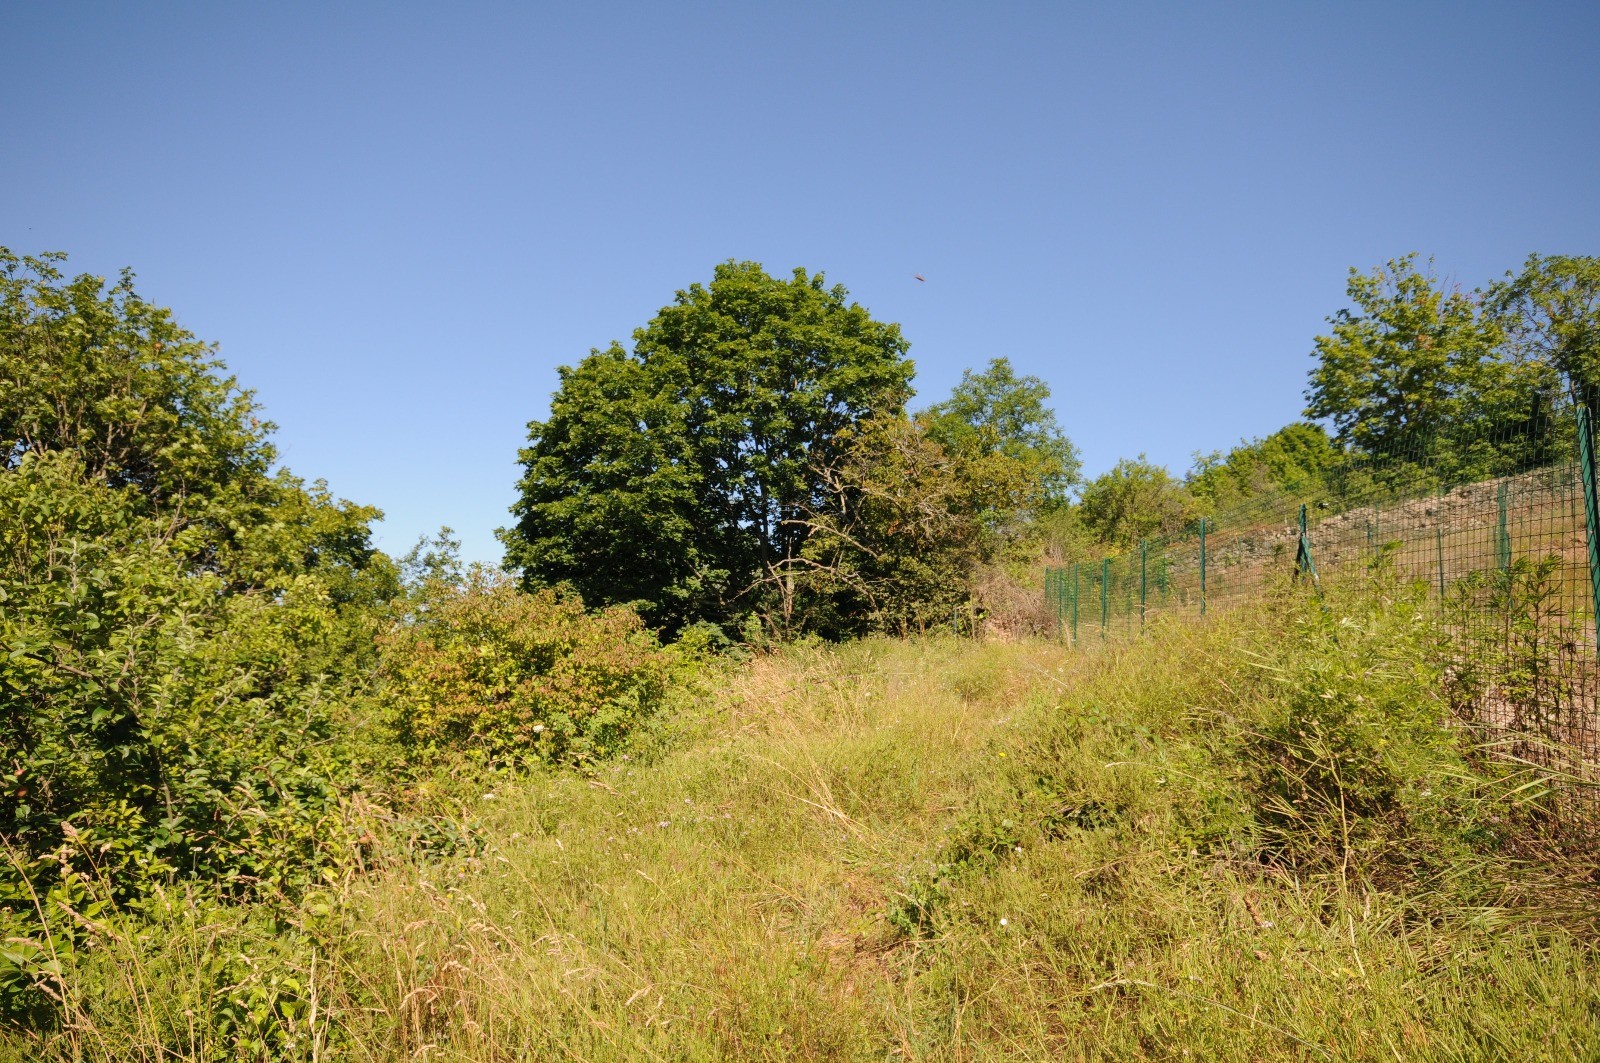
(949, 851)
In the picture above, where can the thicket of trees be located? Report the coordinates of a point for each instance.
(751, 459)
(1417, 383)
(750, 464)
(1418, 373)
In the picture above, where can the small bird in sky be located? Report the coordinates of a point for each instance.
(919, 276)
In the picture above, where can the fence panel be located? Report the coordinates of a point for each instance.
(1498, 522)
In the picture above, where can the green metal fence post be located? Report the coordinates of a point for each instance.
(1502, 538)
(1074, 603)
(1061, 599)
(1438, 542)
(1142, 598)
(1591, 506)
(1105, 591)
(1303, 565)
(1052, 594)
(1202, 566)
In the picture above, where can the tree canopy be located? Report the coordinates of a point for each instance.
(1550, 313)
(100, 372)
(146, 409)
(1419, 372)
(682, 475)
(998, 412)
(1136, 500)
(907, 525)
(1291, 462)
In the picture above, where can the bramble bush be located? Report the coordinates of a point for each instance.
(156, 726)
(184, 632)
(506, 675)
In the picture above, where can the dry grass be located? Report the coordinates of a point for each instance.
(748, 892)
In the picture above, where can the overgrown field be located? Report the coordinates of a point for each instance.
(1258, 838)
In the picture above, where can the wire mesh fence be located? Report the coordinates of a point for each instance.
(1498, 522)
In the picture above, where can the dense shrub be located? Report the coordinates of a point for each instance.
(909, 524)
(155, 723)
(485, 668)
(183, 630)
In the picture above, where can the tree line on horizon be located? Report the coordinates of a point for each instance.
(752, 464)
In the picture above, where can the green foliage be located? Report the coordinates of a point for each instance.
(183, 632)
(157, 724)
(1425, 388)
(1288, 465)
(1073, 854)
(610, 493)
(750, 457)
(1415, 374)
(680, 476)
(508, 675)
(1551, 314)
(101, 374)
(104, 374)
(1357, 769)
(905, 524)
(996, 412)
(187, 637)
(1135, 500)
(1519, 649)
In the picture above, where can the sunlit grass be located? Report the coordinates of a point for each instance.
(906, 850)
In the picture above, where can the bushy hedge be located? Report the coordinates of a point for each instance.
(501, 674)
(191, 641)
(154, 723)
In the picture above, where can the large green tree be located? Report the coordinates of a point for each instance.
(998, 412)
(1415, 373)
(1136, 499)
(683, 475)
(1550, 312)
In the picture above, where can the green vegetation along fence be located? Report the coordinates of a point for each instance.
(1499, 522)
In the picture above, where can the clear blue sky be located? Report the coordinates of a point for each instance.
(398, 219)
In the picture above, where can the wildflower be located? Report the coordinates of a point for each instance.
(1004, 921)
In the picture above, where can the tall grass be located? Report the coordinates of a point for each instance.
(1260, 838)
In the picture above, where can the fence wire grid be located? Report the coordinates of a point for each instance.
(1499, 522)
